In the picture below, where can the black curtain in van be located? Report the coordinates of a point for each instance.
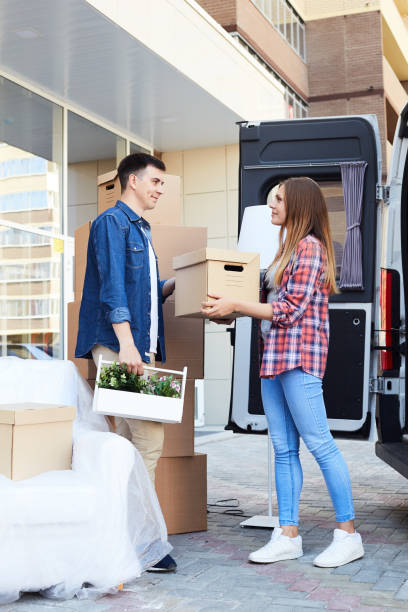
(352, 176)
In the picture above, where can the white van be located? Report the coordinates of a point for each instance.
(364, 384)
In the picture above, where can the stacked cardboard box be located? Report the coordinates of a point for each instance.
(181, 474)
(35, 438)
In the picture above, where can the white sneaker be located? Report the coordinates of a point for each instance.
(279, 548)
(346, 547)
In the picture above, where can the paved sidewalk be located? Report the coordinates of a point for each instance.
(213, 571)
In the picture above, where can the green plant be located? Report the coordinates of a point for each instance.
(116, 376)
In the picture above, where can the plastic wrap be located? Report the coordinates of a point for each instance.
(84, 531)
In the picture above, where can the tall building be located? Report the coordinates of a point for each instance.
(83, 83)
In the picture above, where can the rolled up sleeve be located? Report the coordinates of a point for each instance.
(110, 250)
(301, 285)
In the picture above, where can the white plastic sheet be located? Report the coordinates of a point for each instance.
(84, 531)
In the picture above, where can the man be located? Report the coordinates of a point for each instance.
(121, 315)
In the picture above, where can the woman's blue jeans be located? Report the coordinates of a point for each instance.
(294, 406)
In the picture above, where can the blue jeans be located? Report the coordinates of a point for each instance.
(294, 406)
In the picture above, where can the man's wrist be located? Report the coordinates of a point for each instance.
(126, 344)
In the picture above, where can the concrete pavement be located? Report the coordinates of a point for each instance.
(213, 572)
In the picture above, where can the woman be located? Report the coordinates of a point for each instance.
(295, 334)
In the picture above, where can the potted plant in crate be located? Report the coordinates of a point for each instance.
(149, 397)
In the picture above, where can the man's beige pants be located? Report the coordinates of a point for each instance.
(147, 436)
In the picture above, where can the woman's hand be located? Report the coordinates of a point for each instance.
(218, 309)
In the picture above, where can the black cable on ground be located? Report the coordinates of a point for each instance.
(228, 506)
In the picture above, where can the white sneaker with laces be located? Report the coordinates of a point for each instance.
(345, 547)
(279, 548)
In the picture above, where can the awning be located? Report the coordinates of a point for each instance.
(162, 70)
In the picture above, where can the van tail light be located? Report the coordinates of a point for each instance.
(389, 319)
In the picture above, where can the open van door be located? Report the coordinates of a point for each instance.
(269, 153)
(391, 416)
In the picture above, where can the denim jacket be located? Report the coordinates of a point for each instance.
(117, 284)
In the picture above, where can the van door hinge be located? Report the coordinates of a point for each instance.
(385, 386)
(383, 193)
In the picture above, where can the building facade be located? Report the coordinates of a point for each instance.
(86, 82)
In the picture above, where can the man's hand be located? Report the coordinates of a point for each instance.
(128, 352)
(221, 307)
(130, 355)
(169, 286)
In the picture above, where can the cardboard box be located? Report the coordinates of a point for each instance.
(167, 210)
(181, 486)
(35, 438)
(81, 250)
(86, 367)
(184, 342)
(108, 190)
(179, 438)
(169, 241)
(232, 274)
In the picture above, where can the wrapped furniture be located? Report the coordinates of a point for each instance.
(82, 531)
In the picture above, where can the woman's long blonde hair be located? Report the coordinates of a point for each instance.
(306, 213)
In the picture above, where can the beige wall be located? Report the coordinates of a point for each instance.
(320, 9)
(209, 184)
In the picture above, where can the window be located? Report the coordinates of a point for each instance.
(17, 237)
(333, 193)
(23, 167)
(32, 271)
(92, 152)
(25, 201)
(285, 20)
(29, 307)
(296, 107)
(135, 148)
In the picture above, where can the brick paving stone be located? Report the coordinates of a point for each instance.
(389, 583)
(368, 609)
(213, 572)
(370, 575)
(350, 569)
(323, 594)
(304, 604)
(344, 602)
(402, 593)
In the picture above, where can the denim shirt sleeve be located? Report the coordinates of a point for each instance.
(110, 250)
(161, 284)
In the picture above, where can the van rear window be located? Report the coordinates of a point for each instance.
(333, 193)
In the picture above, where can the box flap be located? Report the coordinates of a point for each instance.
(227, 255)
(107, 177)
(30, 413)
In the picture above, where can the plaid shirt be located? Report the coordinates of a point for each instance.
(299, 336)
